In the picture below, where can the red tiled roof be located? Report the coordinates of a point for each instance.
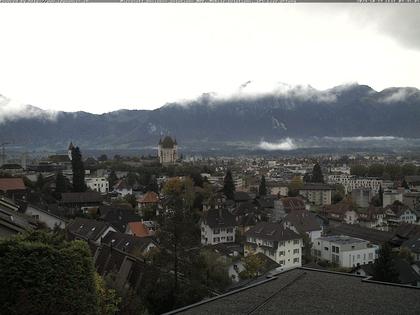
(7, 184)
(149, 197)
(138, 229)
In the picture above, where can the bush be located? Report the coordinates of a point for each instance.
(41, 275)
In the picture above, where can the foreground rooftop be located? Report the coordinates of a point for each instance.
(310, 291)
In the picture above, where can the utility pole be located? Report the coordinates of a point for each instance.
(3, 152)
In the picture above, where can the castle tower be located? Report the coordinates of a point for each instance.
(167, 150)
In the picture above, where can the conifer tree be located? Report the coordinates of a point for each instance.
(263, 188)
(317, 176)
(78, 170)
(229, 185)
(384, 268)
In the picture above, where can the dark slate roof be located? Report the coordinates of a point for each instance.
(15, 221)
(353, 230)
(303, 221)
(118, 216)
(407, 231)
(413, 245)
(413, 179)
(227, 249)
(310, 291)
(240, 196)
(87, 229)
(218, 218)
(266, 201)
(127, 243)
(407, 275)
(272, 232)
(81, 197)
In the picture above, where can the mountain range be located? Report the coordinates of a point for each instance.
(301, 112)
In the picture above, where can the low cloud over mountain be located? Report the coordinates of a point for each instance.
(267, 120)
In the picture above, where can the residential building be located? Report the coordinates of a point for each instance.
(373, 217)
(13, 222)
(413, 245)
(413, 182)
(303, 221)
(374, 236)
(122, 189)
(137, 229)
(399, 213)
(390, 196)
(167, 150)
(412, 200)
(345, 251)
(149, 199)
(362, 197)
(88, 230)
(341, 212)
(317, 194)
(13, 188)
(217, 226)
(99, 184)
(137, 246)
(351, 182)
(81, 200)
(277, 242)
(50, 219)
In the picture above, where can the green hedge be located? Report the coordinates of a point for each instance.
(39, 275)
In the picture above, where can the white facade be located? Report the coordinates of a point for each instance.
(50, 220)
(351, 182)
(212, 236)
(390, 196)
(317, 196)
(345, 251)
(287, 254)
(280, 190)
(99, 184)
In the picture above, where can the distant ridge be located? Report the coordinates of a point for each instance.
(298, 112)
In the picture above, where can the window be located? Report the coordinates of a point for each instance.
(230, 238)
(282, 243)
(325, 248)
(281, 262)
(281, 253)
(370, 256)
(296, 251)
(296, 242)
(229, 230)
(216, 239)
(216, 231)
(295, 260)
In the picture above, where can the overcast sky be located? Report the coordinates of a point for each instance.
(104, 57)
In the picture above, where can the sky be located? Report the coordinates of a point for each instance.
(104, 57)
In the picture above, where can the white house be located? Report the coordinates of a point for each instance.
(122, 188)
(217, 226)
(276, 242)
(99, 184)
(345, 251)
(50, 219)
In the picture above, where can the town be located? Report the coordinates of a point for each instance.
(163, 232)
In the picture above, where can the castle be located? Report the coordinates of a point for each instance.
(167, 150)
